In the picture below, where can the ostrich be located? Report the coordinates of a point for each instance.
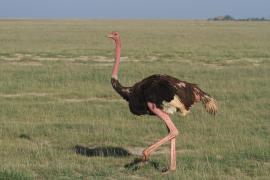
(160, 95)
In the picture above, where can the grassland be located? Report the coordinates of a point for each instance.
(55, 96)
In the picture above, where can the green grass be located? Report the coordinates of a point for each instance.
(55, 94)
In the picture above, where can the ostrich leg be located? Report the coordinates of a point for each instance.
(173, 132)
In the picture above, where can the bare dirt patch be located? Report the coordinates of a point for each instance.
(73, 100)
(25, 63)
(59, 99)
(36, 60)
(25, 94)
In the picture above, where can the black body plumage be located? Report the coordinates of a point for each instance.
(158, 89)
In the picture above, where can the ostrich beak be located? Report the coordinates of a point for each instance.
(109, 36)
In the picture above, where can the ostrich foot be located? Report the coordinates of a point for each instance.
(145, 157)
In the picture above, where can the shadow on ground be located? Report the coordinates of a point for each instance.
(137, 163)
(109, 151)
(106, 151)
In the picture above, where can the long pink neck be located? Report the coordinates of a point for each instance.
(117, 59)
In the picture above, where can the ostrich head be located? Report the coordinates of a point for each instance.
(114, 35)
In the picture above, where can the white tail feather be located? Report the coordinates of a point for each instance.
(210, 104)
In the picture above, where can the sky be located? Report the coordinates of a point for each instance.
(132, 9)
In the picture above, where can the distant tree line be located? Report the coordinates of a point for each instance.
(230, 18)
